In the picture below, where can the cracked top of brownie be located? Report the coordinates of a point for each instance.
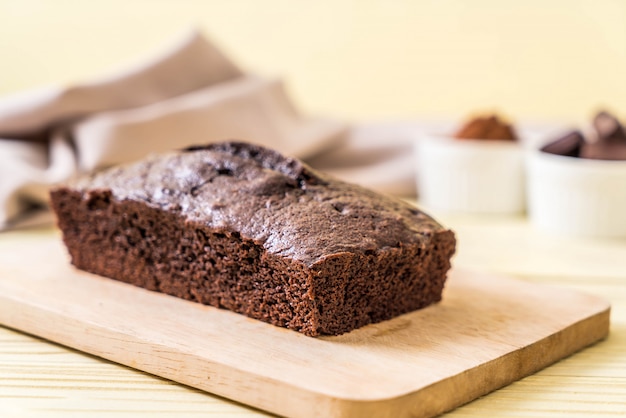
(276, 201)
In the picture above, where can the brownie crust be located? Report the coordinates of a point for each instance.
(241, 227)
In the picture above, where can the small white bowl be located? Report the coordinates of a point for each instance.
(470, 176)
(576, 196)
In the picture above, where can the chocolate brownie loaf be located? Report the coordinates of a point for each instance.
(244, 228)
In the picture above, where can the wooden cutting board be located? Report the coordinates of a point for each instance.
(489, 331)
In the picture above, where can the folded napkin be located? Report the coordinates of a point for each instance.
(189, 93)
(378, 155)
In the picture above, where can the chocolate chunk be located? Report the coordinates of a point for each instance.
(610, 143)
(568, 145)
(608, 127)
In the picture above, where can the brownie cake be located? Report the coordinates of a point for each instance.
(244, 228)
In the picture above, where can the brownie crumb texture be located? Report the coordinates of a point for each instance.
(244, 228)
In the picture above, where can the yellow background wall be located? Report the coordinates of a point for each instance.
(540, 60)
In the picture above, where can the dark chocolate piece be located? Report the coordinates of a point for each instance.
(568, 145)
(610, 143)
(608, 127)
(244, 228)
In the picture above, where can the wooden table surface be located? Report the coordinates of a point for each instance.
(43, 379)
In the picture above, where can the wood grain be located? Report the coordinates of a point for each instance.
(489, 331)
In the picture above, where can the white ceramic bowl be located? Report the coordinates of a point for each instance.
(575, 196)
(470, 176)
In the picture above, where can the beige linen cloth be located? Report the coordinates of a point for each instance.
(190, 93)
